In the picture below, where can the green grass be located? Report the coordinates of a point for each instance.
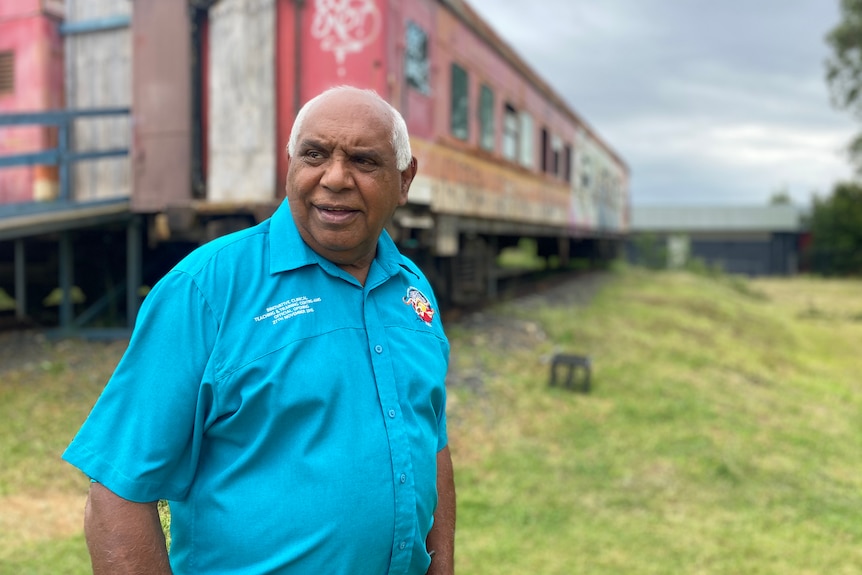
(44, 398)
(723, 435)
(52, 557)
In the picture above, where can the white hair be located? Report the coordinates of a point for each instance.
(400, 138)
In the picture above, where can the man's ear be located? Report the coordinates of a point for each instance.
(286, 171)
(406, 179)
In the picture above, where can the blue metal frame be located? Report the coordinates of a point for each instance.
(59, 156)
(97, 25)
(63, 157)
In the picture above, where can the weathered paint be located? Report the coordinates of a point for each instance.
(459, 178)
(287, 84)
(345, 28)
(266, 57)
(599, 189)
(241, 156)
(404, 49)
(32, 35)
(161, 87)
(460, 184)
(341, 42)
(99, 75)
(413, 24)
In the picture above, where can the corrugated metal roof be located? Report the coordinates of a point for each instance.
(777, 218)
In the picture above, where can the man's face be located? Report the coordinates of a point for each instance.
(342, 182)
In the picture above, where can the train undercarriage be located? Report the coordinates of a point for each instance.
(52, 279)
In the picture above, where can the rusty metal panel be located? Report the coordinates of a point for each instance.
(161, 105)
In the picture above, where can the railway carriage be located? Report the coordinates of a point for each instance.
(213, 87)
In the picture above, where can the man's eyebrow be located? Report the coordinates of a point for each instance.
(371, 153)
(310, 143)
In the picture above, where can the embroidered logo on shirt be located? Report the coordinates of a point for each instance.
(420, 304)
(287, 309)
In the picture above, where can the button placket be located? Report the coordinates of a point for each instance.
(405, 498)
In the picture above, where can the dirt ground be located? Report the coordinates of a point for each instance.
(20, 347)
(29, 518)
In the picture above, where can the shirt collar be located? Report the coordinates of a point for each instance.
(288, 251)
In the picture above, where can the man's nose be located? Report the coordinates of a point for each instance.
(337, 175)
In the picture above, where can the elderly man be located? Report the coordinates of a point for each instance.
(284, 385)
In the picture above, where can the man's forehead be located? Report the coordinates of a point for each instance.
(346, 104)
(347, 118)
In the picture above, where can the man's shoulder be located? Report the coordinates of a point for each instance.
(411, 267)
(227, 250)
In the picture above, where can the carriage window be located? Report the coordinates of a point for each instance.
(586, 172)
(7, 72)
(510, 133)
(486, 118)
(567, 163)
(460, 103)
(416, 58)
(526, 142)
(545, 156)
(556, 156)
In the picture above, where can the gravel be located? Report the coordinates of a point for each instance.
(495, 328)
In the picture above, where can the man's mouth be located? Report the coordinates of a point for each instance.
(335, 215)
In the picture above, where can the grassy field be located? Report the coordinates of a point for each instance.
(723, 435)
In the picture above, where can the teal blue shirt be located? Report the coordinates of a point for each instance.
(290, 415)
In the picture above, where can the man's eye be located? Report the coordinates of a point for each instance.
(313, 155)
(364, 162)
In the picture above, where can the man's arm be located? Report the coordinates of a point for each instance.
(124, 538)
(441, 540)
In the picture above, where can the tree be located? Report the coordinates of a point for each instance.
(781, 197)
(836, 232)
(844, 68)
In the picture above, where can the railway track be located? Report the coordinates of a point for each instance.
(574, 285)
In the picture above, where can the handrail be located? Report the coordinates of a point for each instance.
(60, 156)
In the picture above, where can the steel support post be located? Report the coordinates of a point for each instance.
(134, 265)
(66, 280)
(20, 280)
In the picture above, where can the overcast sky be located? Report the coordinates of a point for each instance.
(709, 102)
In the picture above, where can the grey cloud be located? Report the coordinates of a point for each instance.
(733, 90)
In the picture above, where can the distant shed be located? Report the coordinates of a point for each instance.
(749, 240)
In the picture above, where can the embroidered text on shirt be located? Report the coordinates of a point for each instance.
(287, 309)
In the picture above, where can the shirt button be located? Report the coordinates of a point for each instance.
(403, 478)
(402, 545)
(378, 348)
(391, 413)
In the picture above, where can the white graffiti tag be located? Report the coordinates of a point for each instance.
(345, 26)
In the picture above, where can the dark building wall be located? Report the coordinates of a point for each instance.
(775, 255)
(735, 257)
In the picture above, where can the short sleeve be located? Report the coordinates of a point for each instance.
(142, 438)
(442, 433)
